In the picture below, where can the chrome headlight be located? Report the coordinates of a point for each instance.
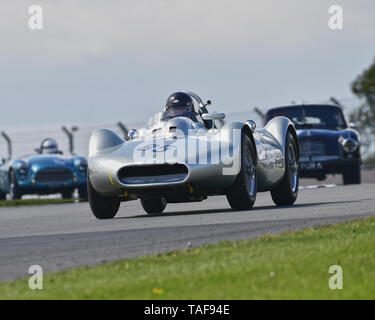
(80, 164)
(21, 167)
(349, 145)
(133, 134)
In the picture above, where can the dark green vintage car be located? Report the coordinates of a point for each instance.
(327, 144)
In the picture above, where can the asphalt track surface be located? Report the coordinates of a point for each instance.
(62, 236)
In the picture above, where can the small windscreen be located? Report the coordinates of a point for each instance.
(305, 117)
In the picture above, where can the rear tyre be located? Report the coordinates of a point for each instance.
(352, 175)
(242, 194)
(154, 207)
(285, 194)
(101, 206)
(14, 190)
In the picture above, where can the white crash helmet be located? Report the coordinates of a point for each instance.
(49, 146)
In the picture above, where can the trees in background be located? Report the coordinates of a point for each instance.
(364, 117)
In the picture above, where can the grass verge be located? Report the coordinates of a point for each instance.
(293, 265)
(33, 202)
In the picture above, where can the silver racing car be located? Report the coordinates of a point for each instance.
(186, 154)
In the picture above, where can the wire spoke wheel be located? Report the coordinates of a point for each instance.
(293, 168)
(249, 170)
(285, 194)
(242, 194)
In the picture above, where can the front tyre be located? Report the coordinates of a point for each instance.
(285, 194)
(154, 207)
(352, 174)
(242, 194)
(14, 190)
(101, 206)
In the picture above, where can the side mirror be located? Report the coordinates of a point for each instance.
(213, 116)
(133, 134)
(252, 125)
(353, 125)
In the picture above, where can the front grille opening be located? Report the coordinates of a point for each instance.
(310, 147)
(158, 173)
(54, 175)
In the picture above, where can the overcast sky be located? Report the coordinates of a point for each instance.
(104, 61)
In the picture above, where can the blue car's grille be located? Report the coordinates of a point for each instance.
(315, 147)
(54, 175)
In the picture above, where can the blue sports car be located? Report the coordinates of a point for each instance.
(46, 172)
(327, 144)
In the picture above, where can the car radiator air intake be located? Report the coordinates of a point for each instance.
(148, 174)
(54, 175)
(309, 147)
